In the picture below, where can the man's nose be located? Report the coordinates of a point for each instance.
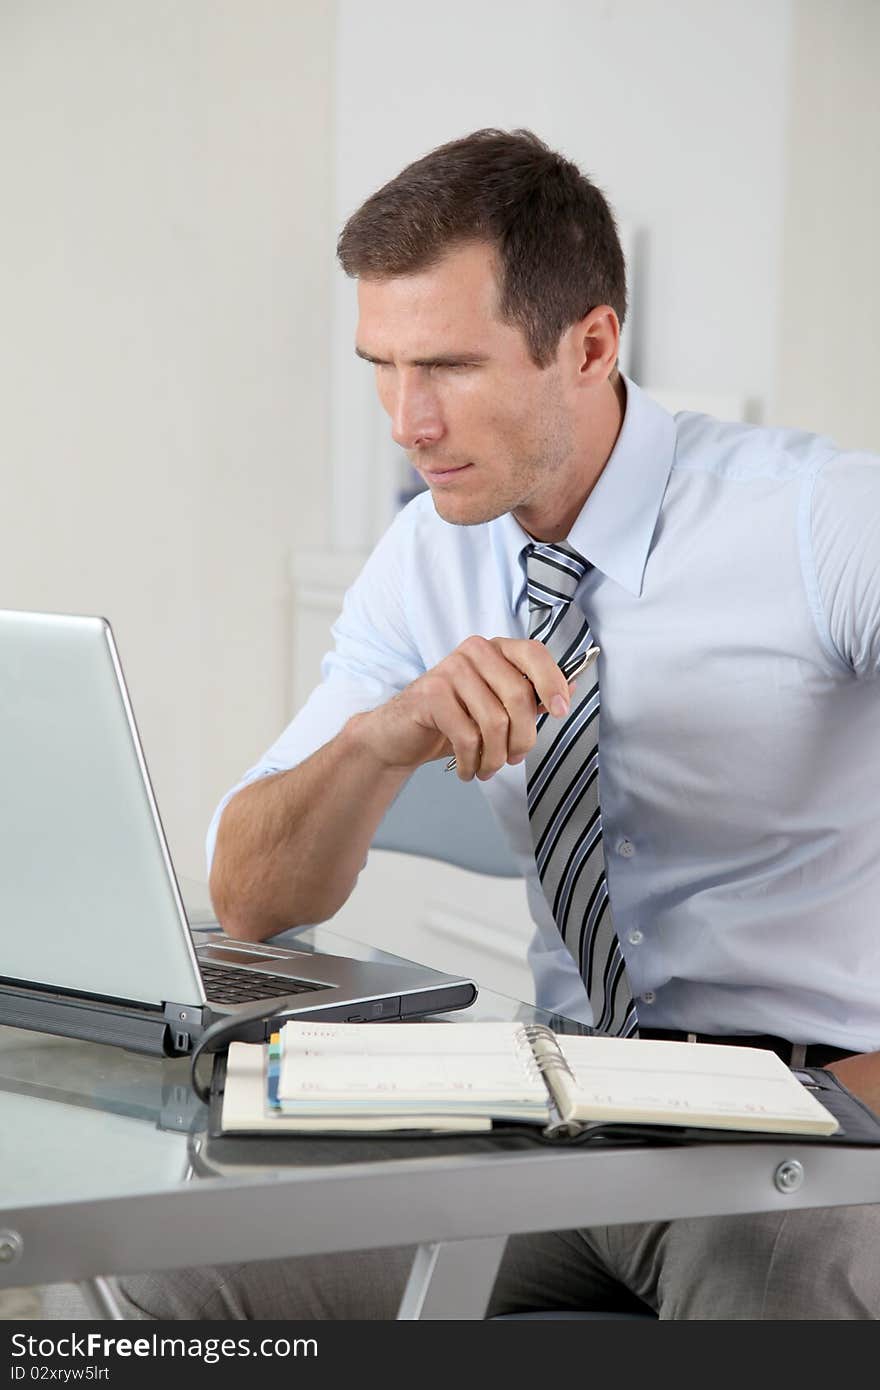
(415, 416)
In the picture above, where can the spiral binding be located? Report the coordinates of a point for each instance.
(557, 1062)
(528, 1061)
(540, 1031)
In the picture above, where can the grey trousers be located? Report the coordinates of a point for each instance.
(816, 1263)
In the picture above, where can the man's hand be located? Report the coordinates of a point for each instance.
(479, 704)
(861, 1075)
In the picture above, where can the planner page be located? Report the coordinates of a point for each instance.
(703, 1084)
(246, 1110)
(391, 1068)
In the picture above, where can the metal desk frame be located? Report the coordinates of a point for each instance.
(458, 1211)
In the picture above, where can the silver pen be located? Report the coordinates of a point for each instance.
(574, 669)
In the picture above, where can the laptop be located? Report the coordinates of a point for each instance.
(95, 938)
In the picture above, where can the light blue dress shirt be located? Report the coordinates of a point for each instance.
(735, 595)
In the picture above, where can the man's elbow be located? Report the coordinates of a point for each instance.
(244, 918)
(244, 927)
(238, 914)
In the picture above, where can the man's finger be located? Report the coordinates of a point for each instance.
(535, 662)
(488, 712)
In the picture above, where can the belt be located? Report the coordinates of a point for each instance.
(793, 1054)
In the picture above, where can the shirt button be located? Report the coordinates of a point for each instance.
(636, 937)
(648, 997)
(626, 848)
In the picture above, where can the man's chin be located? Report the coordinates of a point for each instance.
(461, 511)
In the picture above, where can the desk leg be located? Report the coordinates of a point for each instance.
(102, 1297)
(452, 1279)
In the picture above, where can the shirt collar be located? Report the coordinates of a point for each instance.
(616, 524)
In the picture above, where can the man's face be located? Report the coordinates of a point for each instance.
(488, 430)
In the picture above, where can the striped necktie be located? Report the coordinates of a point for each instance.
(562, 780)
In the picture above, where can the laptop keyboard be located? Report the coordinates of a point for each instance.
(227, 985)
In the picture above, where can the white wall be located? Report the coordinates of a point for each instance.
(676, 110)
(173, 179)
(830, 342)
(165, 273)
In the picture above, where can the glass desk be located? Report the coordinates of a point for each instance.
(106, 1168)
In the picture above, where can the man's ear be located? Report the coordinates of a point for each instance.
(595, 344)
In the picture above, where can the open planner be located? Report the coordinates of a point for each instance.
(472, 1077)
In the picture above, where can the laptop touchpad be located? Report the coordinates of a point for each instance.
(223, 956)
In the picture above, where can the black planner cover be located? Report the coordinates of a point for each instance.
(859, 1125)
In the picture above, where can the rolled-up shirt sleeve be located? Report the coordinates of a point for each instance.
(373, 658)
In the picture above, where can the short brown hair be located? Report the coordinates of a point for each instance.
(552, 229)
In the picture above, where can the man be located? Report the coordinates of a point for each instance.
(729, 576)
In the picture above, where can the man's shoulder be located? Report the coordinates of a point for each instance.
(739, 449)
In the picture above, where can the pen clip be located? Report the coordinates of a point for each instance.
(580, 663)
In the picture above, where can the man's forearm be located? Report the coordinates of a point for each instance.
(290, 846)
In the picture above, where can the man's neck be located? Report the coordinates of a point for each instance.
(603, 436)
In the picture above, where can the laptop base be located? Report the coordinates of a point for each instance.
(166, 1034)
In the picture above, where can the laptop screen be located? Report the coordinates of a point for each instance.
(90, 901)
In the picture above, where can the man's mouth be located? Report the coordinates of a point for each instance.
(436, 477)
